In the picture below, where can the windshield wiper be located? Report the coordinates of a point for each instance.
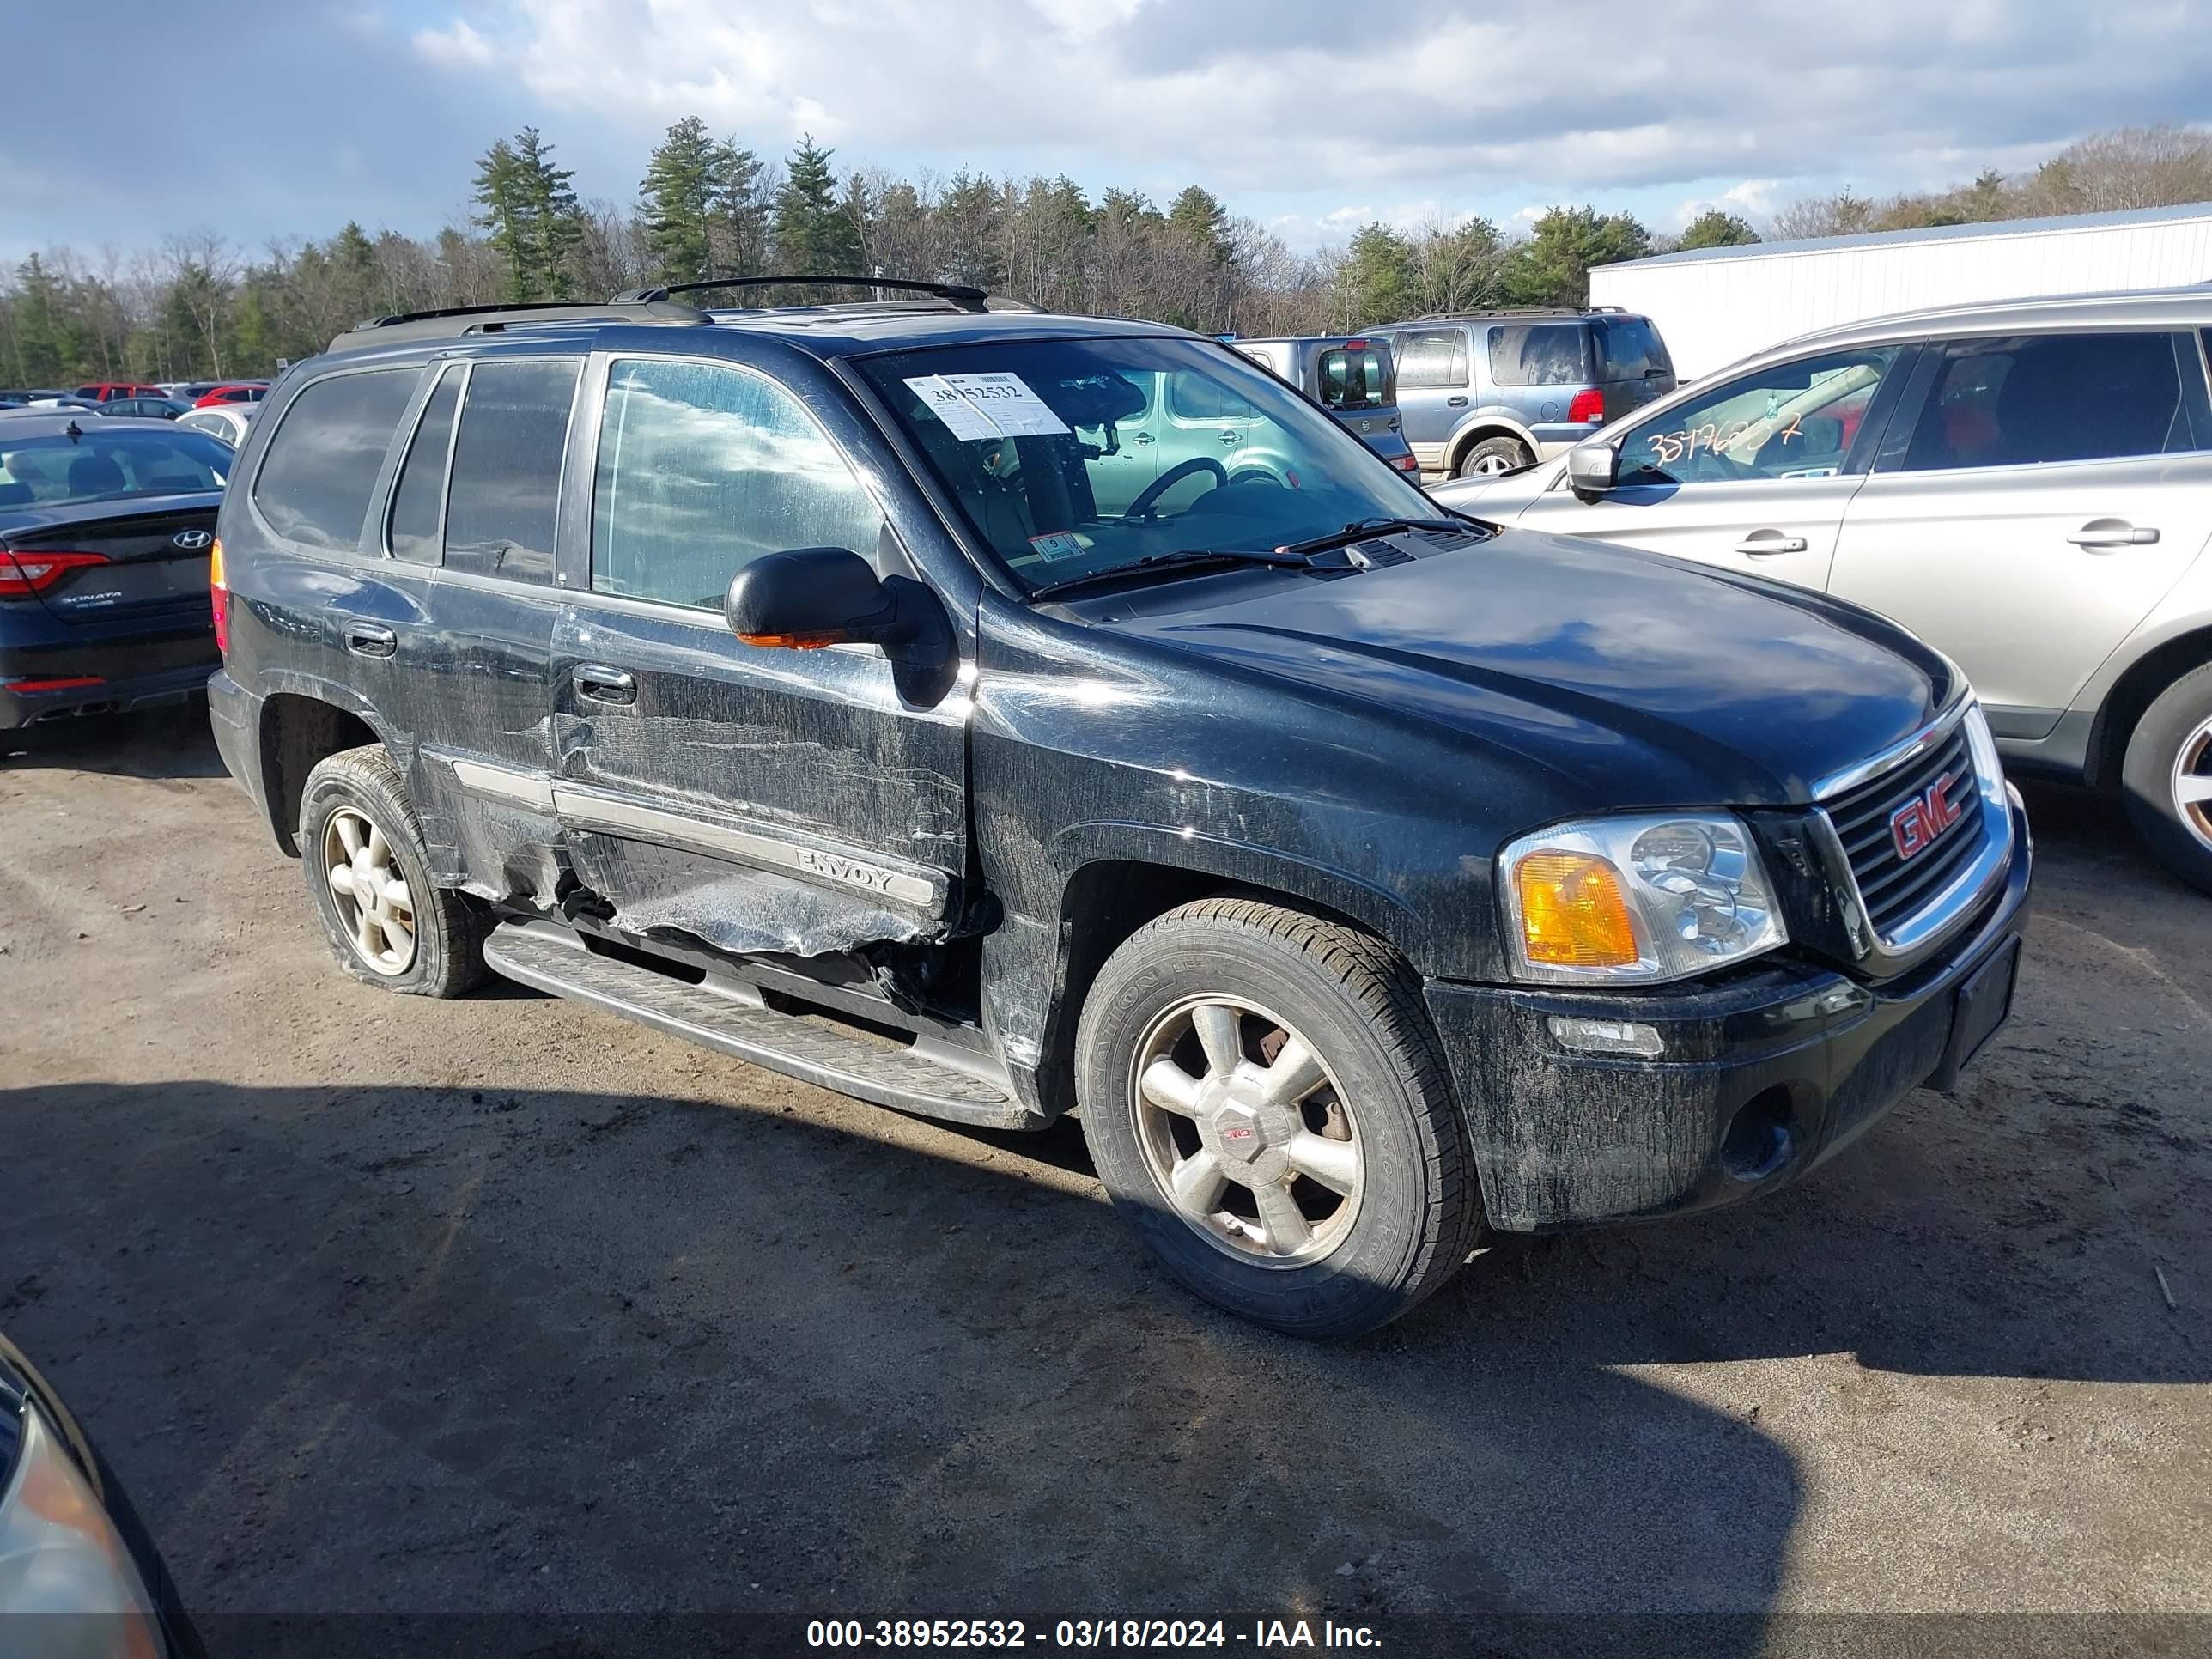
(1354, 532)
(1183, 558)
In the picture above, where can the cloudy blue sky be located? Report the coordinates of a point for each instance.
(262, 119)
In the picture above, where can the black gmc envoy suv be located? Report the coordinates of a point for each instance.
(835, 686)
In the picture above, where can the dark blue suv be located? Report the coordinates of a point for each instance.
(806, 683)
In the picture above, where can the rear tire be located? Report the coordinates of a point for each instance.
(358, 837)
(1324, 1190)
(2167, 777)
(1491, 457)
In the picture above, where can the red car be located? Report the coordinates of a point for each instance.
(237, 392)
(104, 391)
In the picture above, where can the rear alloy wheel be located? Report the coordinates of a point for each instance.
(374, 903)
(388, 923)
(1493, 457)
(2167, 777)
(1267, 1106)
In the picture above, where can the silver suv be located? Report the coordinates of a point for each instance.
(2027, 485)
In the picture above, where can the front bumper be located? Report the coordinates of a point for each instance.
(1762, 1077)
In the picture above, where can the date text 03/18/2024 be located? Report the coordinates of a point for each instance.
(1086, 1633)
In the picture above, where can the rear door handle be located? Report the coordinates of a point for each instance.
(1144, 437)
(1454, 403)
(366, 639)
(604, 684)
(1230, 438)
(2112, 532)
(1761, 543)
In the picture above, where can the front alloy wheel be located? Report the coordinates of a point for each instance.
(373, 904)
(1245, 1130)
(1267, 1106)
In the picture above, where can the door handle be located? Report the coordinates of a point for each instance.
(604, 684)
(2112, 532)
(366, 639)
(1144, 437)
(1761, 543)
(1454, 403)
(1230, 438)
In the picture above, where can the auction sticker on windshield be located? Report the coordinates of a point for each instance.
(996, 405)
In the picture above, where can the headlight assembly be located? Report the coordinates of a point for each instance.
(1636, 900)
(60, 1556)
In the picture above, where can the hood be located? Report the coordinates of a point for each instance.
(1641, 680)
(1499, 497)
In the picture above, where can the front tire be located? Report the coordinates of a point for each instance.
(2167, 777)
(1493, 457)
(388, 923)
(1268, 1105)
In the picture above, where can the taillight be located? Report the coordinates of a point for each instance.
(219, 597)
(26, 571)
(1588, 406)
(1407, 463)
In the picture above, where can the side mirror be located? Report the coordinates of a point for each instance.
(812, 596)
(807, 599)
(1592, 469)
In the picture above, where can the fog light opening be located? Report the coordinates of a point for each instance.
(1760, 1139)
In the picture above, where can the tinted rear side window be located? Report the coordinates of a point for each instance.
(418, 500)
(1539, 353)
(506, 486)
(1437, 357)
(1353, 379)
(322, 464)
(2034, 399)
(1628, 348)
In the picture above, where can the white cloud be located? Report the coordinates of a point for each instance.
(458, 45)
(1131, 90)
(1754, 199)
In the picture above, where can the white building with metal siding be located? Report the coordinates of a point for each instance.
(1716, 305)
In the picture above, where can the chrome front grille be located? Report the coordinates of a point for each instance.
(1893, 888)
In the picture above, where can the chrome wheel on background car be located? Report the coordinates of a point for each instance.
(1246, 1131)
(2193, 781)
(370, 892)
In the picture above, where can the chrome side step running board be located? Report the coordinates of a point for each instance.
(927, 1077)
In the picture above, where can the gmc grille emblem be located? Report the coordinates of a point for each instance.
(1917, 825)
(192, 540)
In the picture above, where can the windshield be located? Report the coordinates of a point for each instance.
(55, 470)
(1072, 457)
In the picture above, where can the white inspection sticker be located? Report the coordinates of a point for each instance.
(1060, 544)
(993, 405)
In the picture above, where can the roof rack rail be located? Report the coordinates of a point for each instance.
(1506, 311)
(495, 318)
(957, 294)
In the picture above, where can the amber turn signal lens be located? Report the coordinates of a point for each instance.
(791, 641)
(1573, 913)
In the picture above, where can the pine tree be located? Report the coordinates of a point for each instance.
(812, 233)
(1199, 216)
(38, 324)
(684, 189)
(500, 211)
(556, 222)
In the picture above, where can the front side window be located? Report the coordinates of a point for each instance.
(2035, 398)
(505, 492)
(1024, 434)
(703, 468)
(313, 487)
(1350, 378)
(1432, 358)
(1796, 419)
(1541, 353)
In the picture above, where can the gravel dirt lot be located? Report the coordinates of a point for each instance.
(505, 1307)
